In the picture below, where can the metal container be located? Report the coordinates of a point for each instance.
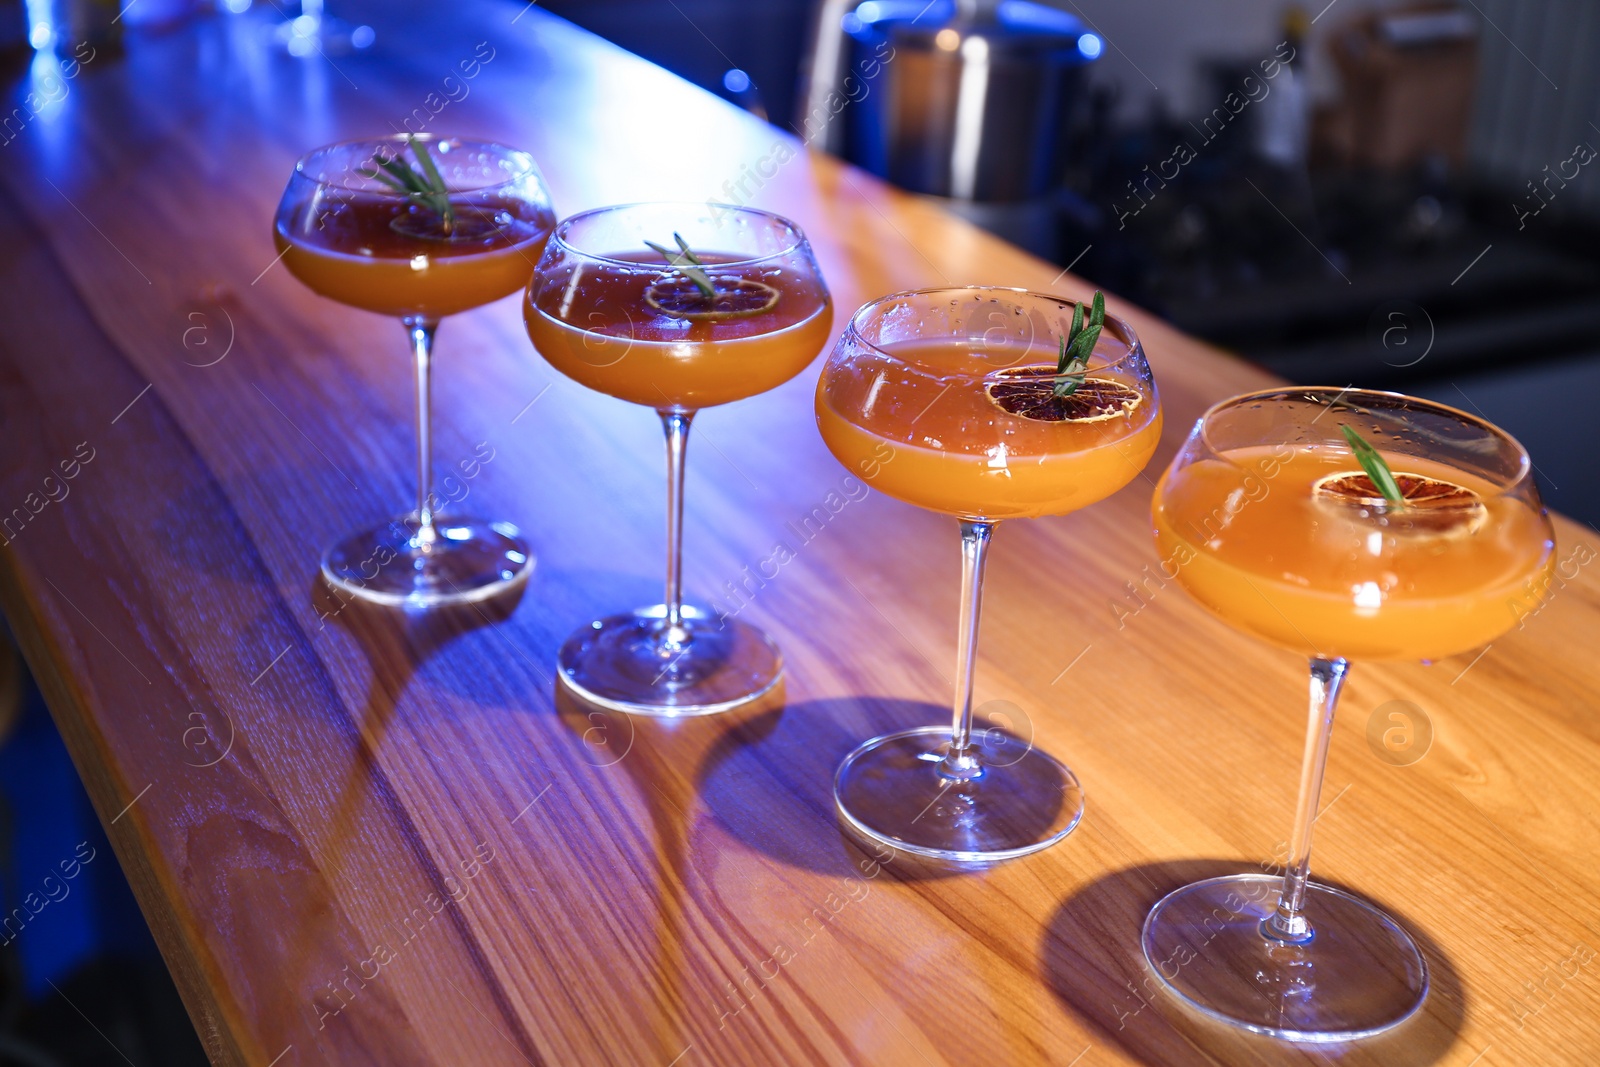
(970, 100)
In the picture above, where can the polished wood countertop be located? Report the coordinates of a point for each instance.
(367, 838)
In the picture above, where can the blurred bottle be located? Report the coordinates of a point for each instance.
(1283, 122)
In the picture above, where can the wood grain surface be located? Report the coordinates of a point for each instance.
(363, 837)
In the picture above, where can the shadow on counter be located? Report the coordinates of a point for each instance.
(1091, 958)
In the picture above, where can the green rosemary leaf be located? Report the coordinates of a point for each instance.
(1083, 345)
(379, 174)
(1067, 384)
(687, 262)
(1078, 353)
(438, 192)
(1078, 345)
(426, 188)
(1376, 467)
(410, 179)
(688, 253)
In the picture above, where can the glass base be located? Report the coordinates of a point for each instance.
(891, 791)
(624, 662)
(1359, 975)
(469, 559)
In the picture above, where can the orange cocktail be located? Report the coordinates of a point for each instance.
(677, 307)
(1297, 562)
(617, 329)
(418, 227)
(955, 451)
(378, 252)
(1339, 523)
(985, 404)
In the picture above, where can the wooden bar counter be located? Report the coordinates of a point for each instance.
(363, 837)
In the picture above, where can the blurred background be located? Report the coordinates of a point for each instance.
(1356, 192)
(1387, 194)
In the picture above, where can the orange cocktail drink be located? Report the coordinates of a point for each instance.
(1303, 560)
(676, 307)
(1341, 524)
(957, 452)
(618, 329)
(983, 404)
(377, 252)
(418, 227)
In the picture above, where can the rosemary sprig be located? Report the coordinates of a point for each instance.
(687, 262)
(1376, 467)
(427, 188)
(1077, 345)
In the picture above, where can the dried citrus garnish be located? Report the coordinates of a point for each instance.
(731, 298)
(1432, 505)
(1029, 392)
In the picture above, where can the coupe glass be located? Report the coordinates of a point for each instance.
(1270, 521)
(346, 232)
(612, 313)
(943, 398)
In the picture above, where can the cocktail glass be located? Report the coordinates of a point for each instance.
(944, 398)
(1271, 522)
(346, 230)
(615, 314)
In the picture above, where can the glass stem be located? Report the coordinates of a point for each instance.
(420, 329)
(676, 426)
(961, 763)
(1289, 923)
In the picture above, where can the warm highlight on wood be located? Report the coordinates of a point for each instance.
(363, 838)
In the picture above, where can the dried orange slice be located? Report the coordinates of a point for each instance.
(429, 226)
(1432, 505)
(735, 298)
(1030, 393)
